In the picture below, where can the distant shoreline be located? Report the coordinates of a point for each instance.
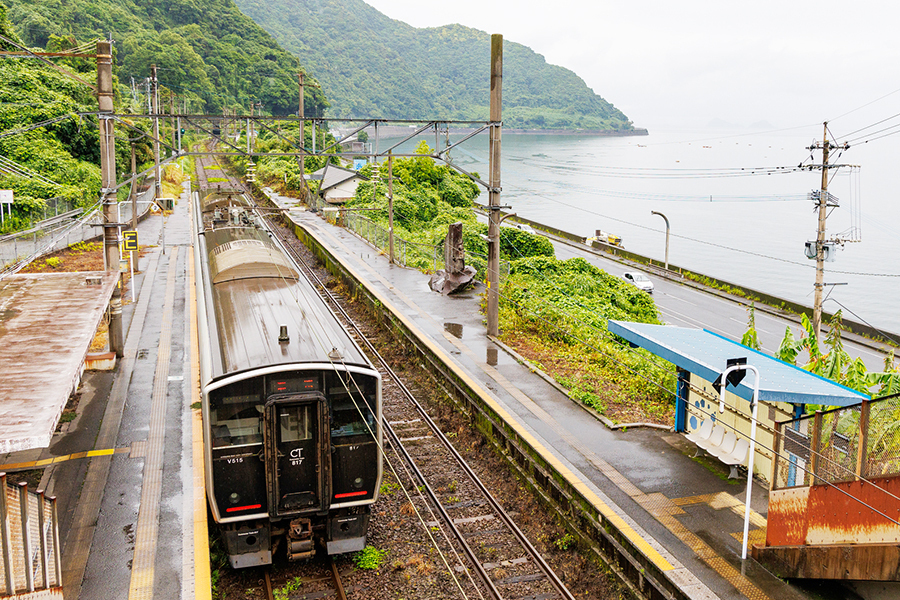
(394, 131)
(597, 132)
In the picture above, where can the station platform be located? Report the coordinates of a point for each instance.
(687, 517)
(127, 471)
(47, 322)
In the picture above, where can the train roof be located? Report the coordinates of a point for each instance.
(251, 290)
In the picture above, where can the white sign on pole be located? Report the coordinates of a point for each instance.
(6, 196)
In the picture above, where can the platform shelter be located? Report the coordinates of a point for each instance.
(47, 322)
(700, 356)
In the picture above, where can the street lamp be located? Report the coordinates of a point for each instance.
(653, 212)
(734, 366)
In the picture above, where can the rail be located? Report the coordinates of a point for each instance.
(29, 534)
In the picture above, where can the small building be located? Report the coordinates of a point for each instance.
(337, 183)
(701, 356)
(834, 497)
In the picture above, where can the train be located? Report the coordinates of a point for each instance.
(291, 406)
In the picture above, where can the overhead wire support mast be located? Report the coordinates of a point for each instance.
(822, 203)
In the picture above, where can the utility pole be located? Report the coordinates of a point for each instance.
(391, 206)
(156, 173)
(493, 282)
(108, 185)
(822, 205)
(301, 123)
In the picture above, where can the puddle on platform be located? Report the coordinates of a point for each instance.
(454, 329)
(492, 357)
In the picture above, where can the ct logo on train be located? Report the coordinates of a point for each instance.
(296, 457)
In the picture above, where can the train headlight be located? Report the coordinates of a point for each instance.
(358, 482)
(234, 498)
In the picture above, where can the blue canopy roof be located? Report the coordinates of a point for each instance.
(705, 354)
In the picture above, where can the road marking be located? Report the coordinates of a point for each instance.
(147, 530)
(58, 459)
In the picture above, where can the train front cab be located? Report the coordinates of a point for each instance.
(294, 456)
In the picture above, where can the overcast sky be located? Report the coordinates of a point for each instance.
(664, 63)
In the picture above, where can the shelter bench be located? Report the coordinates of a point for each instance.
(721, 443)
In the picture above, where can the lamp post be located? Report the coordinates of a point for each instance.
(653, 212)
(754, 405)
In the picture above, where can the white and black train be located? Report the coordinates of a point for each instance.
(291, 405)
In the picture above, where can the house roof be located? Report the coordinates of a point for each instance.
(333, 176)
(705, 354)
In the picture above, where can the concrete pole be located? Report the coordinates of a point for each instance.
(133, 189)
(157, 176)
(108, 184)
(391, 206)
(820, 238)
(493, 282)
(300, 115)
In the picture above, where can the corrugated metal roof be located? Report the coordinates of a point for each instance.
(705, 353)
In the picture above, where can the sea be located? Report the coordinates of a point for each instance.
(737, 201)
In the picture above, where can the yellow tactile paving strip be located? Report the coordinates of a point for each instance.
(716, 501)
(146, 533)
(202, 581)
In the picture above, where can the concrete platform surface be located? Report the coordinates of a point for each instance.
(47, 322)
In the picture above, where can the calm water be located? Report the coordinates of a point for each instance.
(725, 222)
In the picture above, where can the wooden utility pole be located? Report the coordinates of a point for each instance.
(108, 185)
(493, 282)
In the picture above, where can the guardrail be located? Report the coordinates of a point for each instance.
(29, 536)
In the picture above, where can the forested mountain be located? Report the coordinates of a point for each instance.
(372, 66)
(60, 159)
(206, 50)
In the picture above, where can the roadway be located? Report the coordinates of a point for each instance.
(684, 305)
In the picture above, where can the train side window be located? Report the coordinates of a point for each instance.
(296, 422)
(236, 414)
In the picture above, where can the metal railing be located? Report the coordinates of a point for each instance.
(424, 257)
(29, 536)
(845, 444)
(61, 231)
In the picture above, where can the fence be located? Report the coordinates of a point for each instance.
(59, 232)
(844, 444)
(29, 534)
(424, 257)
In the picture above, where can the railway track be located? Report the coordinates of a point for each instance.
(465, 509)
(484, 552)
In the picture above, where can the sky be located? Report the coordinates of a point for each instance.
(670, 64)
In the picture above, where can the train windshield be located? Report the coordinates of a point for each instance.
(352, 407)
(235, 414)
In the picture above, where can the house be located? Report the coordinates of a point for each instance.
(337, 183)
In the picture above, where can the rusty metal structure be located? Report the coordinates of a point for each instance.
(834, 503)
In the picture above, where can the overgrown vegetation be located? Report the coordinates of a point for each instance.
(427, 198)
(556, 312)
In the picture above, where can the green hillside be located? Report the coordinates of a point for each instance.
(206, 50)
(372, 66)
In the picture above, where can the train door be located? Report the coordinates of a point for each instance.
(297, 454)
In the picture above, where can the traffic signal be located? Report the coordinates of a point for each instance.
(182, 131)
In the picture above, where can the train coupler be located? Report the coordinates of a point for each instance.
(300, 539)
